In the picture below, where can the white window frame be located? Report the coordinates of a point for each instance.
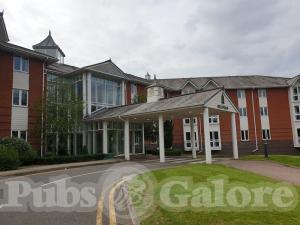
(213, 141)
(296, 96)
(214, 119)
(243, 133)
(243, 112)
(19, 134)
(266, 134)
(241, 94)
(20, 91)
(297, 114)
(262, 93)
(264, 111)
(22, 59)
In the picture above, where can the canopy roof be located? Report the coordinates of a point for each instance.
(180, 106)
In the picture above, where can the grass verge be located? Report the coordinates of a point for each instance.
(200, 173)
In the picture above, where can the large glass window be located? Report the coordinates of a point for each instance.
(105, 93)
(21, 64)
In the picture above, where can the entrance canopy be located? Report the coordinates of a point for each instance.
(214, 101)
(190, 105)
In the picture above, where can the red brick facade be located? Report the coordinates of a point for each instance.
(6, 83)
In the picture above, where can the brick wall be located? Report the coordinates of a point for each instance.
(6, 83)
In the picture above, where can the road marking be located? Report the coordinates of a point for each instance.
(112, 210)
(100, 206)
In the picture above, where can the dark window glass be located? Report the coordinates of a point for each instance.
(14, 133)
(188, 136)
(17, 63)
(24, 98)
(25, 65)
(15, 97)
(23, 134)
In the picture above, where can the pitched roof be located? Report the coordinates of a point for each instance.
(174, 103)
(48, 43)
(61, 69)
(3, 31)
(138, 79)
(25, 51)
(229, 82)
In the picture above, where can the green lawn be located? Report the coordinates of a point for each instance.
(200, 173)
(283, 159)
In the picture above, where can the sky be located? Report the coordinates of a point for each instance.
(169, 38)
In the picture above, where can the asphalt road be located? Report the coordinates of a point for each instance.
(89, 210)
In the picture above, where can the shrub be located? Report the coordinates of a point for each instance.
(18, 144)
(28, 157)
(9, 158)
(168, 152)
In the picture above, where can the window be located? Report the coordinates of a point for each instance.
(105, 93)
(134, 93)
(244, 135)
(243, 111)
(213, 119)
(298, 135)
(187, 121)
(22, 134)
(222, 99)
(264, 111)
(262, 93)
(241, 94)
(296, 93)
(297, 112)
(266, 134)
(20, 97)
(214, 139)
(21, 64)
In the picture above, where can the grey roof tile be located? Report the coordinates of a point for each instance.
(183, 101)
(48, 43)
(59, 68)
(3, 32)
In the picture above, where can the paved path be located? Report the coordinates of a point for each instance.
(267, 168)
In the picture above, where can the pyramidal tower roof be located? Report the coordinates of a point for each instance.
(3, 31)
(48, 43)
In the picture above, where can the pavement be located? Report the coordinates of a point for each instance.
(269, 169)
(108, 192)
(46, 168)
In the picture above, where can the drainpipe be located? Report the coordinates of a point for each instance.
(43, 90)
(254, 118)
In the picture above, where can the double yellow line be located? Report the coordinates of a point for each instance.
(112, 210)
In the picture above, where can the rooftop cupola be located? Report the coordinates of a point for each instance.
(49, 47)
(155, 91)
(3, 31)
(148, 76)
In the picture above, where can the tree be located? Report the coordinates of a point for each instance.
(62, 113)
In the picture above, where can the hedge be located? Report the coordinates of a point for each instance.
(9, 158)
(168, 152)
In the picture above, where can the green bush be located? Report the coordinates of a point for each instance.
(18, 144)
(9, 158)
(68, 159)
(28, 157)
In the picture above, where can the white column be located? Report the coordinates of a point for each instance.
(161, 138)
(104, 134)
(192, 128)
(234, 137)
(207, 136)
(126, 139)
(89, 93)
(143, 137)
(94, 137)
